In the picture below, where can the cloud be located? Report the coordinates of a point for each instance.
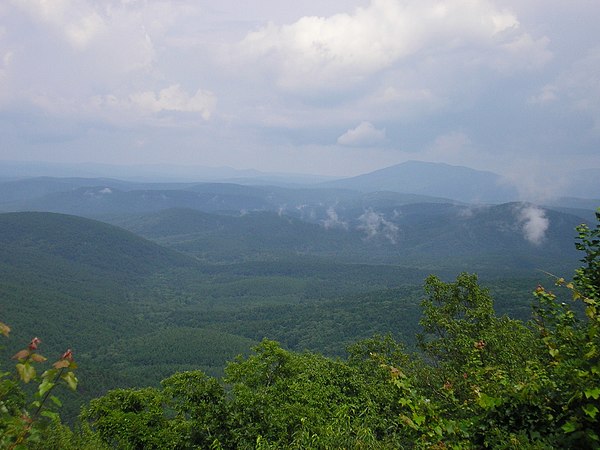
(364, 135)
(581, 84)
(454, 147)
(547, 94)
(333, 221)
(483, 83)
(172, 99)
(68, 51)
(578, 85)
(373, 224)
(78, 22)
(343, 50)
(534, 223)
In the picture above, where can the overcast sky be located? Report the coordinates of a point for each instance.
(336, 87)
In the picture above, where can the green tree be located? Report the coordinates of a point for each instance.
(199, 405)
(133, 419)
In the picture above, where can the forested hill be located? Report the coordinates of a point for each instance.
(28, 238)
(511, 238)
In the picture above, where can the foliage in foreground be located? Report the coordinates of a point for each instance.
(480, 381)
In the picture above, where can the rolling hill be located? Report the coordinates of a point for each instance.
(84, 244)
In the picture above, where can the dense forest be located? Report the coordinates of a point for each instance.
(475, 378)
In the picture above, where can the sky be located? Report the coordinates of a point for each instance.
(336, 87)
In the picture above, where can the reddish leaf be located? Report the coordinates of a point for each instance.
(23, 354)
(38, 358)
(61, 364)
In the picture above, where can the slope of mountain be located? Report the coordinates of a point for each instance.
(227, 238)
(112, 296)
(505, 238)
(434, 179)
(87, 285)
(82, 243)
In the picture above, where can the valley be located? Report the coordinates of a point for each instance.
(143, 280)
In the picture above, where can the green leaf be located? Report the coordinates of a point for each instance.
(56, 400)
(418, 419)
(70, 379)
(44, 387)
(49, 374)
(593, 393)
(488, 402)
(408, 421)
(26, 372)
(569, 427)
(51, 415)
(590, 410)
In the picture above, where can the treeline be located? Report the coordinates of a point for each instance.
(478, 380)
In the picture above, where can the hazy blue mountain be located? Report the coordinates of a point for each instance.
(434, 179)
(582, 207)
(14, 191)
(11, 170)
(33, 188)
(96, 197)
(95, 201)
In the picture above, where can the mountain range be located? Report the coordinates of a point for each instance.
(150, 277)
(415, 177)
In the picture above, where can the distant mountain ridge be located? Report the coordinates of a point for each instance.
(434, 179)
(459, 183)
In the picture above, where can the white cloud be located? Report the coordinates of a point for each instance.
(547, 94)
(5, 60)
(578, 85)
(364, 135)
(374, 224)
(581, 84)
(451, 146)
(172, 99)
(534, 223)
(449, 80)
(78, 22)
(343, 49)
(454, 147)
(333, 221)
